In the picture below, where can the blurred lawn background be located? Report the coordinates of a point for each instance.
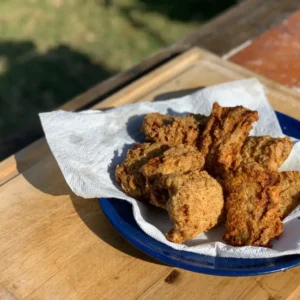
(52, 50)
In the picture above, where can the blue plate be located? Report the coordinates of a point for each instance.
(119, 213)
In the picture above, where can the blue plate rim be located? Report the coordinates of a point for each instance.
(139, 239)
(124, 230)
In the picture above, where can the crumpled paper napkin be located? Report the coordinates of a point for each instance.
(88, 146)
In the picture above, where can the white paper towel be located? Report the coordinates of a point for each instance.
(89, 145)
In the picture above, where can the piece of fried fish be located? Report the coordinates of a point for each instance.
(267, 151)
(128, 173)
(195, 204)
(252, 206)
(223, 137)
(172, 130)
(289, 192)
(177, 160)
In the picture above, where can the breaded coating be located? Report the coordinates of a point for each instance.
(252, 206)
(195, 204)
(207, 170)
(224, 136)
(269, 152)
(179, 159)
(289, 192)
(172, 131)
(128, 172)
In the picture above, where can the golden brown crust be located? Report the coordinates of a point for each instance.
(195, 204)
(169, 174)
(252, 206)
(128, 173)
(172, 131)
(267, 151)
(223, 137)
(180, 159)
(289, 192)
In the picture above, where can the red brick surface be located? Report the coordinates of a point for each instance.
(275, 54)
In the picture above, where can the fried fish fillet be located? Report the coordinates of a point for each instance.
(252, 206)
(172, 131)
(267, 151)
(224, 136)
(128, 173)
(180, 159)
(289, 192)
(195, 204)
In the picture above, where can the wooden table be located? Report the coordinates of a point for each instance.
(55, 245)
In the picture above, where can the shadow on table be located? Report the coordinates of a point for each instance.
(49, 180)
(92, 215)
(177, 94)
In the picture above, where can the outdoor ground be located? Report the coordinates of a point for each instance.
(52, 50)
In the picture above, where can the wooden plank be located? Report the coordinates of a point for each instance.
(206, 69)
(7, 295)
(245, 21)
(48, 232)
(56, 245)
(223, 33)
(22, 160)
(223, 288)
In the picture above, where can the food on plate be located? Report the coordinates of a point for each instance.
(172, 131)
(195, 204)
(267, 151)
(205, 171)
(289, 192)
(176, 160)
(128, 173)
(223, 137)
(252, 206)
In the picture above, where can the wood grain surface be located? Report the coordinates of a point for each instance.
(55, 245)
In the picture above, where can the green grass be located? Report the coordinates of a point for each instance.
(52, 50)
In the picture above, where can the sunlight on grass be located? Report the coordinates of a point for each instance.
(119, 36)
(52, 50)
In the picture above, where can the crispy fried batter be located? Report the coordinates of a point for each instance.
(169, 174)
(172, 131)
(128, 172)
(223, 137)
(289, 192)
(179, 159)
(267, 151)
(195, 204)
(252, 206)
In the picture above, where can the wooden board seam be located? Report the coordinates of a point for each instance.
(9, 168)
